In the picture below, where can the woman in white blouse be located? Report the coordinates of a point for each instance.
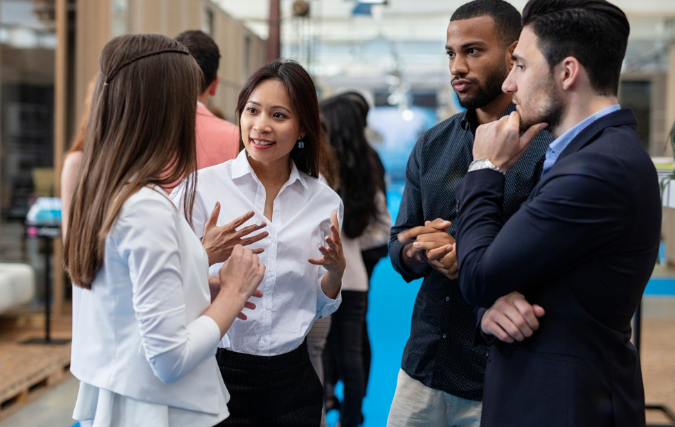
(144, 329)
(264, 361)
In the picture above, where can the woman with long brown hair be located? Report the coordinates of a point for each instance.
(144, 328)
(265, 361)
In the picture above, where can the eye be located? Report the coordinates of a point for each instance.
(521, 67)
(250, 110)
(278, 116)
(450, 54)
(472, 51)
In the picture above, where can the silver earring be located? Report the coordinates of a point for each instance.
(301, 144)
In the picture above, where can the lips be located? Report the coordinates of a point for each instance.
(262, 144)
(461, 85)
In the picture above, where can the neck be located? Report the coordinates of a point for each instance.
(580, 108)
(204, 98)
(494, 109)
(272, 174)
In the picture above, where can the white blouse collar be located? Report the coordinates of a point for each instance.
(241, 167)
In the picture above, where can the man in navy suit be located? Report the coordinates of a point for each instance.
(565, 274)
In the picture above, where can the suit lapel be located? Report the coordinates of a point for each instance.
(587, 136)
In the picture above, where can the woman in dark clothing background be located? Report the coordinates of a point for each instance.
(361, 189)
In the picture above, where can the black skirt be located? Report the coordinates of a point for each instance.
(281, 390)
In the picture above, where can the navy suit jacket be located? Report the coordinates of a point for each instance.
(583, 246)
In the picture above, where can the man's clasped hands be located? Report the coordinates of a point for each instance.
(511, 318)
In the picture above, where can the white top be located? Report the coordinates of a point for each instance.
(139, 336)
(292, 296)
(379, 229)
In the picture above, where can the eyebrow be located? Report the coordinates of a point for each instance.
(274, 106)
(516, 58)
(467, 45)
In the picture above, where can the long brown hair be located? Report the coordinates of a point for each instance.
(314, 158)
(141, 132)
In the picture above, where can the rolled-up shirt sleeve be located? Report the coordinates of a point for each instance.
(146, 236)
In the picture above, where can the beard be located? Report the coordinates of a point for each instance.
(486, 92)
(547, 104)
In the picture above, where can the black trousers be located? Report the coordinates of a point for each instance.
(344, 352)
(277, 391)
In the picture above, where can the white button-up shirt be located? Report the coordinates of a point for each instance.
(292, 295)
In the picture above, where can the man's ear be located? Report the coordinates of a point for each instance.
(569, 71)
(509, 54)
(213, 87)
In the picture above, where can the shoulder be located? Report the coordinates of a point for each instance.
(217, 172)
(149, 198)
(439, 134)
(73, 161)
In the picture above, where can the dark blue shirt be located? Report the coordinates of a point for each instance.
(441, 351)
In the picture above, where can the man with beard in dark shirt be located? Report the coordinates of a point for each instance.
(443, 369)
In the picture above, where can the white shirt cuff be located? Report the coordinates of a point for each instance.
(326, 306)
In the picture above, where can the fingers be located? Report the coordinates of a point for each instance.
(527, 312)
(249, 305)
(258, 237)
(409, 235)
(439, 224)
(335, 228)
(241, 316)
(258, 251)
(331, 243)
(321, 261)
(438, 253)
(213, 218)
(508, 325)
(240, 220)
(425, 246)
(258, 293)
(491, 327)
(250, 229)
(538, 310)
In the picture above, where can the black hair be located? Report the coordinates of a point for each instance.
(357, 181)
(361, 104)
(506, 17)
(595, 32)
(205, 51)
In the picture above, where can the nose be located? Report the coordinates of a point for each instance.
(509, 85)
(262, 124)
(459, 66)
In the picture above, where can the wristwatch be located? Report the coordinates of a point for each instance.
(484, 164)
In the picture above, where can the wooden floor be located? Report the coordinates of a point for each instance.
(27, 370)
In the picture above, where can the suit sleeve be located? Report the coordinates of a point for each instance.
(410, 214)
(568, 222)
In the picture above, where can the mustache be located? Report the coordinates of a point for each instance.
(470, 79)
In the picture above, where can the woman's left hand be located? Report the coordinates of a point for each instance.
(333, 259)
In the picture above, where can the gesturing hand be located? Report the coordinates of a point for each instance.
(333, 259)
(220, 241)
(240, 276)
(214, 288)
(501, 142)
(511, 318)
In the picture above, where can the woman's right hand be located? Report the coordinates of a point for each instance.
(220, 241)
(241, 274)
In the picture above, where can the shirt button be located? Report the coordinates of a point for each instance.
(445, 335)
(447, 298)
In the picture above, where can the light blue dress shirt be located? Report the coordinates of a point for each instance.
(560, 143)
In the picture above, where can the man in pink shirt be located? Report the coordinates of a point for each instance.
(217, 139)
